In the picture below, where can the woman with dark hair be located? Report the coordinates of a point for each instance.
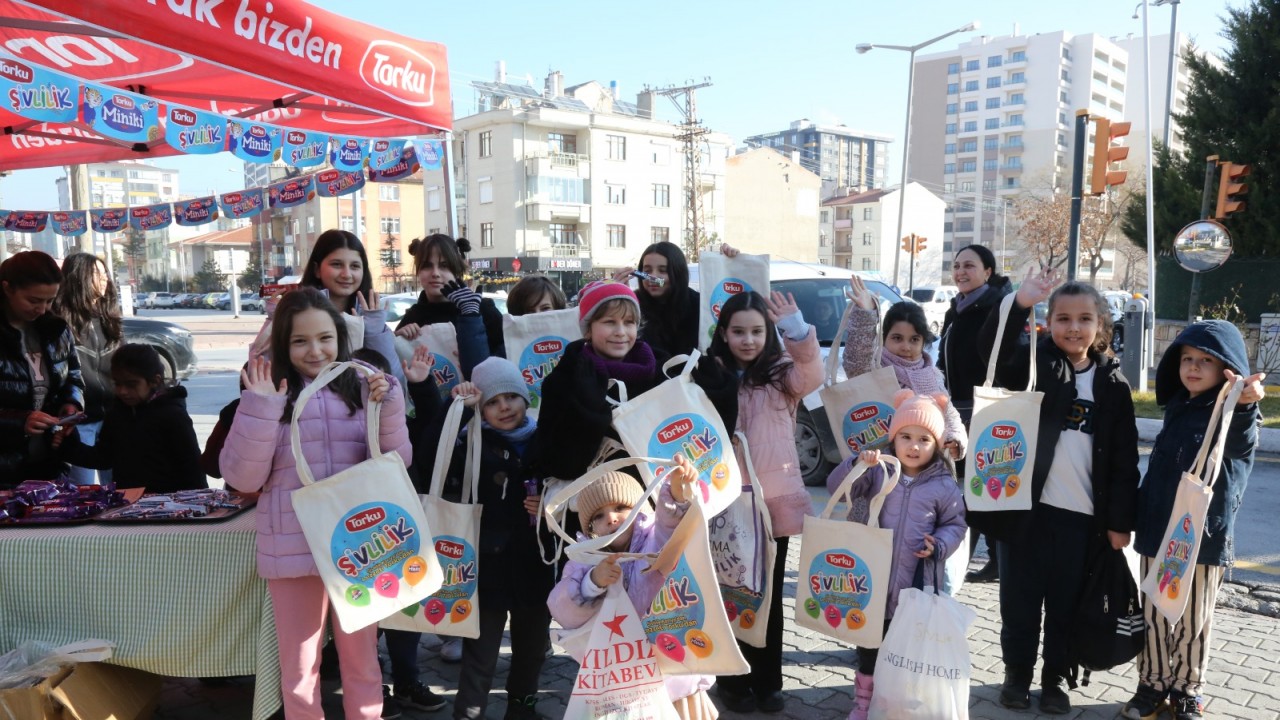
(439, 263)
(973, 271)
(90, 304)
(668, 306)
(39, 370)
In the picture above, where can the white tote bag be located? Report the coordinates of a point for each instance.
(454, 608)
(922, 670)
(744, 553)
(859, 409)
(442, 340)
(1002, 435)
(686, 620)
(535, 343)
(1171, 572)
(365, 525)
(841, 586)
(720, 278)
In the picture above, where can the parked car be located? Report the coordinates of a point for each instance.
(247, 301)
(813, 286)
(172, 341)
(396, 306)
(210, 300)
(160, 300)
(935, 301)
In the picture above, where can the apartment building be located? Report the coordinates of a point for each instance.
(771, 205)
(571, 180)
(995, 117)
(841, 156)
(121, 184)
(859, 231)
(1135, 88)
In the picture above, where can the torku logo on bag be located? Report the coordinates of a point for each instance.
(453, 601)
(375, 547)
(720, 295)
(676, 616)
(694, 437)
(840, 583)
(999, 460)
(537, 361)
(866, 426)
(1178, 556)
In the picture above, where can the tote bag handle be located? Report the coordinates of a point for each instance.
(689, 362)
(1219, 422)
(592, 550)
(444, 452)
(892, 472)
(833, 354)
(326, 376)
(1006, 307)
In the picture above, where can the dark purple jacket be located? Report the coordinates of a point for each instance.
(931, 504)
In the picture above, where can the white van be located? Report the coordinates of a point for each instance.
(935, 301)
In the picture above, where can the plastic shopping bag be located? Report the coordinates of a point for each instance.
(535, 343)
(922, 672)
(454, 608)
(720, 278)
(744, 554)
(442, 340)
(859, 409)
(844, 566)
(365, 525)
(1002, 435)
(1172, 567)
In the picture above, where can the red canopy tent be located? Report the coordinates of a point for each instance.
(282, 62)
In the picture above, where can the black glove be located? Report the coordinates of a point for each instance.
(467, 300)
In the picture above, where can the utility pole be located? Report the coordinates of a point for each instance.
(691, 131)
(1077, 193)
(76, 176)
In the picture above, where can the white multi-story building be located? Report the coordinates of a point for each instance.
(1135, 89)
(841, 156)
(571, 180)
(862, 232)
(995, 117)
(121, 184)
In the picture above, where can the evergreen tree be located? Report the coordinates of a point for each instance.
(210, 278)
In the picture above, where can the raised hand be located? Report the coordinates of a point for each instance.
(410, 331)
(466, 299)
(363, 304)
(1037, 286)
(469, 393)
(861, 295)
(869, 457)
(418, 367)
(681, 478)
(1253, 390)
(378, 387)
(623, 275)
(256, 378)
(780, 306)
(728, 250)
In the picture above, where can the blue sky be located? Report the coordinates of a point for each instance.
(770, 63)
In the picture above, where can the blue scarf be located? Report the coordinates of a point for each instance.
(519, 435)
(966, 300)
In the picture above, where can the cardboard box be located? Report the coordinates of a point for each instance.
(85, 691)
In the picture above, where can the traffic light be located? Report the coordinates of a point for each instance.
(1104, 154)
(920, 244)
(908, 244)
(1230, 189)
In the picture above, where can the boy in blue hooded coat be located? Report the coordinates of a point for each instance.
(1205, 355)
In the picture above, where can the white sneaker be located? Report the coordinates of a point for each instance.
(451, 650)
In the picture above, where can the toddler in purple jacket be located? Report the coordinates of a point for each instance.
(925, 511)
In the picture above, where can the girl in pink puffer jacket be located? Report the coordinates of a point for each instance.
(307, 335)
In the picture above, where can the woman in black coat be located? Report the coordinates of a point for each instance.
(39, 370)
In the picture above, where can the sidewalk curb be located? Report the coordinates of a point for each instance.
(1268, 438)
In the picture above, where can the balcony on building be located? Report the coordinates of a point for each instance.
(1012, 147)
(844, 223)
(1007, 169)
(1016, 59)
(547, 211)
(553, 162)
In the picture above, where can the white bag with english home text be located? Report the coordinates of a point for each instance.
(535, 343)
(1002, 435)
(442, 340)
(859, 409)
(720, 278)
(923, 667)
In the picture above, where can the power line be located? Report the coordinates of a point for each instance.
(685, 99)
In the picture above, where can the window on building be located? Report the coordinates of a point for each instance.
(950, 129)
(1066, 76)
(433, 199)
(1062, 118)
(486, 235)
(948, 168)
(1011, 182)
(484, 190)
(971, 106)
(994, 61)
(951, 108)
(948, 188)
(1016, 99)
(134, 174)
(991, 143)
(988, 225)
(953, 68)
(964, 225)
(868, 263)
(990, 164)
(1062, 139)
(617, 236)
(969, 146)
(617, 194)
(1018, 56)
(993, 82)
(991, 124)
(617, 145)
(953, 88)
(948, 227)
(661, 195)
(970, 126)
(1018, 77)
(969, 166)
(867, 213)
(1015, 119)
(390, 225)
(562, 143)
(971, 65)
(166, 177)
(949, 149)
(966, 186)
(970, 85)
(964, 206)
(988, 184)
(486, 144)
(663, 234)
(993, 103)
(563, 233)
(311, 223)
(389, 192)
(1014, 141)
(347, 223)
(824, 216)
(1014, 161)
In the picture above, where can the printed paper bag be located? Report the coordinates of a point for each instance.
(844, 566)
(859, 409)
(453, 609)
(1002, 435)
(677, 417)
(536, 343)
(744, 554)
(365, 526)
(922, 671)
(442, 340)
(1173, 566)
(618, 677)
(720, 278)
(686, 620)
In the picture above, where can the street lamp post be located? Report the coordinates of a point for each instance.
(1173, 70)
(906, 134)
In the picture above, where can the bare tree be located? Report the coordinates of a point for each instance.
(1043, 219)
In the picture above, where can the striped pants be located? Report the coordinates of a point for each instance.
(1174, 656)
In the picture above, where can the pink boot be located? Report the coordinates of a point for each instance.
(864, 685)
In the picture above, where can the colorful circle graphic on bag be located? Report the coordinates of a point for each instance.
(998, 460)
(840, 583)
(445, 373)
(369, 547)
(692, 435)
(720, 295)
(1179, 555)
(458, 562)
(537, 361)
(866, 426)
(676, 615)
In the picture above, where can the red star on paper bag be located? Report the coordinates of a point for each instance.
(615, 626)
